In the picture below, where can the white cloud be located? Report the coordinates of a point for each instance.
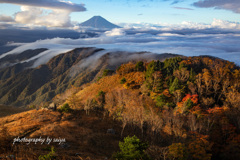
(216, 23)
(225, 24)
(49, 13)
(115, 32)
(49, 4)
(37, 16)
(232, 5)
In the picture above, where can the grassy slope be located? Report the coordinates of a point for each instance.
(107, 84)
(86, 135)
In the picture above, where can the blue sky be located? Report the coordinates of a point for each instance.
(155, 11)
(137, 11)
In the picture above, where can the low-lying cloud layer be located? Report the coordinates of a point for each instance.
(217, 42)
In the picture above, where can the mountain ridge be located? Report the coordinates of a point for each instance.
(21, 85)
(99, 22)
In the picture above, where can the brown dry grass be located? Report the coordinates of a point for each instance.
(21, 123)
(108, 84)
(92, 90)
(85, 134)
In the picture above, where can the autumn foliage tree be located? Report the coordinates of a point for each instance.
(188, 106)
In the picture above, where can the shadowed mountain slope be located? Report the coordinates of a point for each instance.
(20, 85)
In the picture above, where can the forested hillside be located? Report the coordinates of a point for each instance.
(22, 84)
(181, 108)
(185, 108)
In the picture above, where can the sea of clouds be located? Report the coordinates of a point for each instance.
(220, 39)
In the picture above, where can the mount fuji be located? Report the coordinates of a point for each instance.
(99, 22)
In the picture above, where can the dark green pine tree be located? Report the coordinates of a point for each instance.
(192, 75)
(140, 66)
(175, 85)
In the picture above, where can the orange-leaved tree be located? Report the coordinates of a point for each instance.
(187, 103)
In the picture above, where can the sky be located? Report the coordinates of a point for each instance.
(62, 13)
(185, 27)
(156, 11)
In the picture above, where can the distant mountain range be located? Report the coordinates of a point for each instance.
(99, 22)
(20, 84)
